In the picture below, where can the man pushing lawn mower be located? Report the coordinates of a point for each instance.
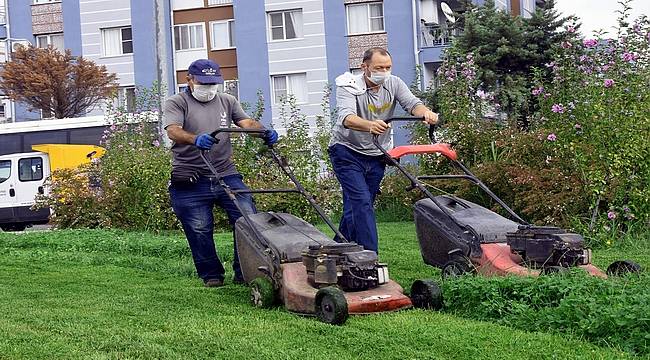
(189, 118)
(363, 103)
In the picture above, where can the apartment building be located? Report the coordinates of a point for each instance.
(276, 47)
(205, 29)
(130, 37)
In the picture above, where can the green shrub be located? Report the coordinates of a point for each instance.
(606, 312)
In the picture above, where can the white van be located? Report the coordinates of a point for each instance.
(23, 175)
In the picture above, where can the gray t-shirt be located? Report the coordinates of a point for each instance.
(354, 98)
(198, 118)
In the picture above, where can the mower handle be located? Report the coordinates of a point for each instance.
(236, 130)
(432, 127)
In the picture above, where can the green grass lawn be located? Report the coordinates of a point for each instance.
(109, 294)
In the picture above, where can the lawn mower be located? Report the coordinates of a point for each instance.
(460, 237)
(285, 259)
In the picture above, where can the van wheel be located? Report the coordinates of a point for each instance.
(13, 227)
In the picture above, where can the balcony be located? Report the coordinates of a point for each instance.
(433, 35)
(219, 2)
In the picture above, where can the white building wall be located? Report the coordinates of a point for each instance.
(302, 55)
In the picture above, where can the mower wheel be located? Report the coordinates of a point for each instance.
(426, 294)
(623, 267)
(552, 270)
(331, 306)
(263, 294)
(457, 266)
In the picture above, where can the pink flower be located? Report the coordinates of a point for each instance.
(590, 43)
(577, 126)
(611, 215)
(558, 109)
(608, 83)
(566, 45)
(537, 91)
(628, 56)
(156, 143)
(571, 29)
(605, 68)
(551, 137)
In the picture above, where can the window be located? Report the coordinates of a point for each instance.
(5, 170)
(293, 84)
(3, 13)
(182, 88)
(3, 112)
(56, 40)
(286, 25)
(501, 4)
(30, 169)
(365, 18)
(219, 2)
(527, 8)
(223, 34)
(46, 114)
(117, 41)
(230, 87)
(188, 36)
(126, 98)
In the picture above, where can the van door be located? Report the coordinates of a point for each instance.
(7, 190)
(32, 171)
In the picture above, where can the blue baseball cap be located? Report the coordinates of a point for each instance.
(205, 71)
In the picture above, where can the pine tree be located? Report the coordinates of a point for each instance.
(506, 49)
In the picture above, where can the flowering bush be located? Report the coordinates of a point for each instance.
(126, 188)
(584, 158)
(596, 109)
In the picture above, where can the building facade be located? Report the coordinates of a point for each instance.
(130, 37)
(272, 48)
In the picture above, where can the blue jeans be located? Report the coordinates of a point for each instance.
(193, 206)
(360, 176)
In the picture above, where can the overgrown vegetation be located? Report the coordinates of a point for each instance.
(116, 294)
(607, 312)
(580, 159)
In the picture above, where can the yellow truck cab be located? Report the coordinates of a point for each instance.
(23, 175)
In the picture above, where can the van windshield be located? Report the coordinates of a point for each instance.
(5, 170)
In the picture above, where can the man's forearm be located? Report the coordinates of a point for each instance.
(419, 110)
(355, 122)
(180, 136)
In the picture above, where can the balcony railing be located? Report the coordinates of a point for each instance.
(219, 2)
(437, 35)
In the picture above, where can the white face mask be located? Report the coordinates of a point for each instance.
(379, 77)
(204, 93)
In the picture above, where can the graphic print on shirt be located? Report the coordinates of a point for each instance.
(378, 109)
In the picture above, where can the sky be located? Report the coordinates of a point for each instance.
(600, 14)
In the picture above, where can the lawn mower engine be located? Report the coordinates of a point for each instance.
(544, 246)
(346, 265)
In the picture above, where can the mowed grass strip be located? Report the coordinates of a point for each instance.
(111, 294)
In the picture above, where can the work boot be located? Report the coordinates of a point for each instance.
(213, 283)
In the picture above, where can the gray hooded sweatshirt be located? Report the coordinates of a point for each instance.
(354, 98)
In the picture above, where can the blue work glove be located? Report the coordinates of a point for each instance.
(204, 141)
(270, 137)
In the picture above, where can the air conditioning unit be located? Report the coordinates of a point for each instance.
(15, 45)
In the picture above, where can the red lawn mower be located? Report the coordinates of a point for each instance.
(461, 237)
(285, 259)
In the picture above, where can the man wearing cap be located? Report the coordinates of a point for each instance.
(189, 118)
(363, 102)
